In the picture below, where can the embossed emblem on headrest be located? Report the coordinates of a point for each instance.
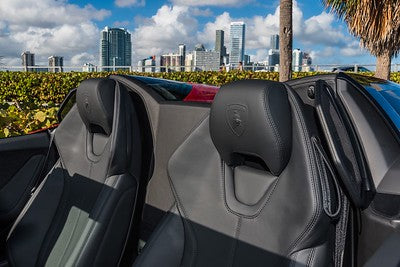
(86, 103)
(236, 116)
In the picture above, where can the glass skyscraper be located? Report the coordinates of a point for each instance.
(115, 47)
(220, 44)
(274, 42)
(237, 43)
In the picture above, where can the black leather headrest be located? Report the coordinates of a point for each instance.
(95, 101)
(252, 118)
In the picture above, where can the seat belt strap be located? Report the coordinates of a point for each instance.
(342, 212)
(41, 173)
(340, 233)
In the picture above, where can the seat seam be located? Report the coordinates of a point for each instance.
(108, 225)
(95, 219)
(267, 198)
(310, 257)
(235, 242)
(60, 204)
(151, 244)
(278, 142)
(186, 219)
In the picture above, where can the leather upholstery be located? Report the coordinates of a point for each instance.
(81, 213)
(252, 118)
(259, 210)
(95, 103)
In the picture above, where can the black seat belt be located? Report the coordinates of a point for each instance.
(343, 209)
(340, 232)
(41, 173)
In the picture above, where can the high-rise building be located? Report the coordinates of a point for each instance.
(246, 60)
(88, 67)
(274, 42)
(306, 60)
(189, 62)
(56, 63)
(220, 44)
(273, 59)
(170, 62)
(237, 43)
(115, 47)
(297, 57)
(28, 60)
(204, 60)
(199, 47)
(182, 54)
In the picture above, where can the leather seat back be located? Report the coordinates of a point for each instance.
(249, 187)
(81, 213)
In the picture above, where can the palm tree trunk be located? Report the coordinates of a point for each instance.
(285, 40)
(383, 63)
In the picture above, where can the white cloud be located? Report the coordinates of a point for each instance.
(119, 24)
(47, 13)
(164, 31)
(127, 3)
(198, 12)
(319, 29)
(210, 2)
(82, 58)
(353, 49)
(258, 28)
(69, 30)
(48, 27)
(222, 22)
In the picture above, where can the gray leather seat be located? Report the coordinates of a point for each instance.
(250, 187)
(81, 213)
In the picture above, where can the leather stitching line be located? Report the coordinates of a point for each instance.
(184, 213)
(261, 208)
(278, 142)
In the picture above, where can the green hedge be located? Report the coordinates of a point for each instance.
(26, 96)
(35, 89)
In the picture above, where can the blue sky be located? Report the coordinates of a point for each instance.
(71, 28)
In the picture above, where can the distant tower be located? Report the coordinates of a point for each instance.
(115, 47)
(219, 44)
(237, 43)
(182, 54)
(199, 47)
(273, 52)
(28, 60)
(274, 42)
(297, 58)
(54, 62)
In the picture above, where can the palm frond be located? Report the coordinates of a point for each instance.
(375, 22)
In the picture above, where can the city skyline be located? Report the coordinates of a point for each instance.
(158, 26)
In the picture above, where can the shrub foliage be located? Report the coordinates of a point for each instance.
(29, 101)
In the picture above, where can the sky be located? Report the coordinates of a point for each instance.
(71, 28)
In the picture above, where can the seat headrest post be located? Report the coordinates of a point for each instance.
(253, 117)
(95, 101)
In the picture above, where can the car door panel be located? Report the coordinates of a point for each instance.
(21, 161)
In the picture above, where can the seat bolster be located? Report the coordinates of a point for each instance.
(165, 247)
(313, 257)
(109, 222)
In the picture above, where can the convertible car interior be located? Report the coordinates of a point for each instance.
(149, 172)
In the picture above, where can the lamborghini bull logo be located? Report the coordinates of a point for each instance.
(236, 116)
